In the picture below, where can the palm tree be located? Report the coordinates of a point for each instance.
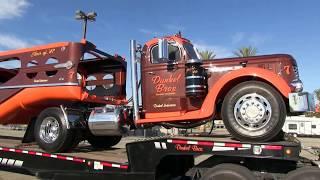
(317, 93)
(206, 54)
(246, 51)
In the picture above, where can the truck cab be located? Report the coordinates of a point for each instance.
(163, 79)
(251, 94)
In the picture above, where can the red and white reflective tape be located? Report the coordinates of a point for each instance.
(43, 154)
(160, 145)
(217, 146)
(97, 164)
(271, 147)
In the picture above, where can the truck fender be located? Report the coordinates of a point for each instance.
(278, 82)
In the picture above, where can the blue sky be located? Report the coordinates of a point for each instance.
(288, 26)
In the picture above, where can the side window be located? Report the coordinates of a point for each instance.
(155, 55)
(174, 54)
(293, 126)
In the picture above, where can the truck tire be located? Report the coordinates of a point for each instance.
(102, 142)
(304, 173)
(228, 171)
(253, 111)
(51, 131)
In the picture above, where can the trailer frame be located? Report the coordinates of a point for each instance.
(153, 158)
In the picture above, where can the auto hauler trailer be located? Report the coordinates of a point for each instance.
(164, 158)
(178, 90)
(252, 95)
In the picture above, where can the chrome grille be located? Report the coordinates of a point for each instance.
(296, 71)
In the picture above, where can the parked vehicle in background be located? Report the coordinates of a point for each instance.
(302, 126)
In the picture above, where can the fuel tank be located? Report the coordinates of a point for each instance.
(107, 121)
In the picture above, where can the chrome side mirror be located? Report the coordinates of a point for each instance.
(163, 49)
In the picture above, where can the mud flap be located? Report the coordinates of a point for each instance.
(28, 135)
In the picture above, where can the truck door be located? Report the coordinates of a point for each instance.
(163, 83)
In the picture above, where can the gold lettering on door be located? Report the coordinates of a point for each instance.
(165, 86)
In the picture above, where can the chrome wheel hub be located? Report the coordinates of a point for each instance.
(252, 111)
(49, 130)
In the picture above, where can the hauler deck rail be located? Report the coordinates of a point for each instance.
(159, 158)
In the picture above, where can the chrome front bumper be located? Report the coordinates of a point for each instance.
(301, 102)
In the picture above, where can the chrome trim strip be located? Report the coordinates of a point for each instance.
(65, 116)
(195, 86)
(193, 91)
(194, 61)
(40, 85)
(67, 65)
(194, 77)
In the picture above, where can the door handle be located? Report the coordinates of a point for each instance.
(151, 73)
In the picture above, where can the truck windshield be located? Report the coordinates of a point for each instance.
(191, 51)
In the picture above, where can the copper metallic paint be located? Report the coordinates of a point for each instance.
(276, 70)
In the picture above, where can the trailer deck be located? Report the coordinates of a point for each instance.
(134, 159)
(84, 150)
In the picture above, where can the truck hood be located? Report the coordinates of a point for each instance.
(283, 65)
(273, 58)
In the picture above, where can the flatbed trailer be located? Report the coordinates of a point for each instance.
(162, 158)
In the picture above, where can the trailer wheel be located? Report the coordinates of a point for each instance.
(229, 171)
(304, 173)
(100, 142)
(51, 131)
(253, 111)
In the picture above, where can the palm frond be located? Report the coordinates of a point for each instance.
(206, 54)
(245, 51)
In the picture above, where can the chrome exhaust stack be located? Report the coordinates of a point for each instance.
(134, 80)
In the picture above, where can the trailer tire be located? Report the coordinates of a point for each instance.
(52, 120)
(304, 173)
(253, 111)
(228, 171)
(101, 142)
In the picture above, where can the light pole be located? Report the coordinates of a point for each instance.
(91, 16)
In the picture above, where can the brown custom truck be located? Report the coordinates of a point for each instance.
(70, 91)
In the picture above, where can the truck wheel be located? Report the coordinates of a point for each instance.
(305, 173)
(253, 111)
(228, 171)
(51, 131)
(100, 142)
